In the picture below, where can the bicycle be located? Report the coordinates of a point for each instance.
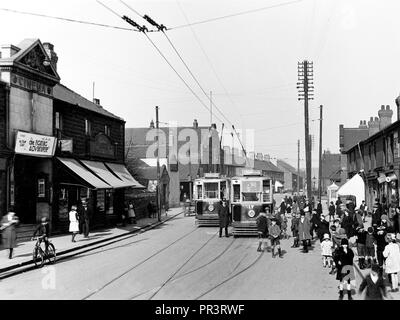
(40, 254)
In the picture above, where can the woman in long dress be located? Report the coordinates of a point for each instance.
(73, 222)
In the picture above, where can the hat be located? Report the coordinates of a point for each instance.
(44, 219)
(392, 236)
(370, 229)
(384, 217)
(344, 242)
(326, 236)
(274, 219)
(333, 228)
(375, 267)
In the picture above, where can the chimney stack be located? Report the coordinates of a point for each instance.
(96, 101)
(152, 124)
(49, 47)
(267, 157)
(8, 50)
(398, 106)
(363, 124)
(373, 126)
(385, 117)
(195, 124)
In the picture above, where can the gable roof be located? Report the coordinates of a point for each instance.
(266, 166)
(35, 47)
(65, 94)
(286, 166)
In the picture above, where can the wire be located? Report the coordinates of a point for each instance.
(209, 60)
(234, 15)
(166, 60)
(67, 19)
(131, 8)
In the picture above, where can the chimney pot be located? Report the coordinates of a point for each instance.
(195, 124)
(387, 107)
(152, 124)
(96, 101)
(382, 107)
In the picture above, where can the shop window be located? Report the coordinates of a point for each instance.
(41, 188)
(88, 127)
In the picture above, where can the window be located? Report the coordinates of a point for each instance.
(236, 192)
(107, 130)
(211, 190)
(199, 192)
(41, 188)
(88, 127)
(58, 120)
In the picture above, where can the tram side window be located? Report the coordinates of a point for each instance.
(236, 193)
(266, 191)
(199, 192)
(223, 190)
(211, 190)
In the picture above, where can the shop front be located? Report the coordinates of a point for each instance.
(101, 186)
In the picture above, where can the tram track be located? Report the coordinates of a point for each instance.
(137, 265)
(171, 280)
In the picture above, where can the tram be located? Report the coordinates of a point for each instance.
(208, 193)
(250, 194)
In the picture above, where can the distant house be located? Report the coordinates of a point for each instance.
(290, 175)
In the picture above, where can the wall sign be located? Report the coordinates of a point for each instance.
(33, 85)
(35, 145)
(102, 147)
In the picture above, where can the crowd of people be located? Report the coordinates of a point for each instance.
(338, 233)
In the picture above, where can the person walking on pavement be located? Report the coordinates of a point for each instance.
(9, 224)
(374, 285)
(319, 208)
(392, 261)
(295, 230)
(86, 219)
(295, 208)
(304, 231)
(262, 230)
(73, 222)
(347, 223)
(322, 228)
(283, 207)
(380, 235)
(223, 214)
(274, 234)
(131, 212)
(345, 270)
(331, 210)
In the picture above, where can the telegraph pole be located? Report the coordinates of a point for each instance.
(320, 155)
(298, 167)
(158, 169)
(305, 86)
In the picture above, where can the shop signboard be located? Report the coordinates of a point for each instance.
(35, 145)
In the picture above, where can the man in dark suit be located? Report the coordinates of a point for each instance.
(84, 217)
(223, 213)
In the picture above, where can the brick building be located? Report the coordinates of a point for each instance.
(56, 146)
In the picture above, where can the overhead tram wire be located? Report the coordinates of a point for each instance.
(125, 18)
(162, 28)
(71, 20)
(209, 61)
(235, 14)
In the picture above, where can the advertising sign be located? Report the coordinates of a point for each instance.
(35, 145)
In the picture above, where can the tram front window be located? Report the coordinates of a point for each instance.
(199, 192)
(211, 190)
(251, 196)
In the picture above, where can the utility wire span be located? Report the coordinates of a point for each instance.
(234, 15)
(184, 63)
(166, 60)
(67, 19)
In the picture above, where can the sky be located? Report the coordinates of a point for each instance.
(248, 62)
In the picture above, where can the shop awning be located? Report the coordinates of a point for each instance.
(100, 170)
(85, 174)
(354, 187)
(122, 172)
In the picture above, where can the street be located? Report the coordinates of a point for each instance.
(179, 261)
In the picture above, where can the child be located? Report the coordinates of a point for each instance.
(283, 226)
(43, 231)
(376, 288)
(262, 229)
(295, 230)
(326, 247)
(345, 270)
(274, 234)
(370, 242)
(361, 239)
(392, 261)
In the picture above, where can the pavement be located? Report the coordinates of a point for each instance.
(22, 255)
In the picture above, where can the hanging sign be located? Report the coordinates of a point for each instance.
(35, 145)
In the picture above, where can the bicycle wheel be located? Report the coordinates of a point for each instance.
(51, 253)
(38, 257)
